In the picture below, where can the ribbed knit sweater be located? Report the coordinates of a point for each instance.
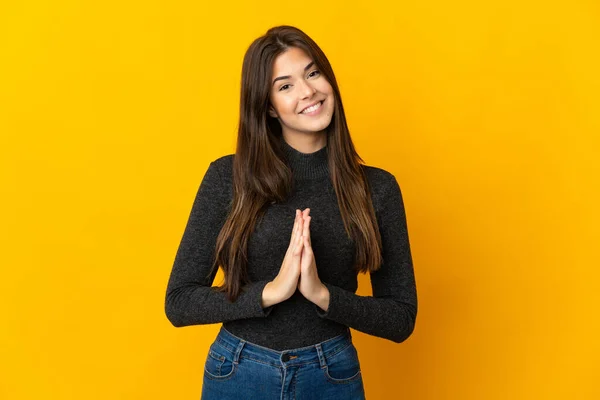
(296, 322)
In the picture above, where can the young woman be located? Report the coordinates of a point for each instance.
(292, 218)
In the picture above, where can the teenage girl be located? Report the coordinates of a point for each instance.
(292, 218)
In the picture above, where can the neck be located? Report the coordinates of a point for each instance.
(311, 165)
(306, 143)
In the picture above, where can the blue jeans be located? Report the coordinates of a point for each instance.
(240, 370)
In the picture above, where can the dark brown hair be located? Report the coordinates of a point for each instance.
(261, 175)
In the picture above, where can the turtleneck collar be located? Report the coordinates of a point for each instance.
(306, 165)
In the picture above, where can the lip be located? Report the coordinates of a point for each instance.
(310, 105)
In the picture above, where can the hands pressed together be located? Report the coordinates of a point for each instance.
(298, 269)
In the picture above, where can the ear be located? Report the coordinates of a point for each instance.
(272, 112)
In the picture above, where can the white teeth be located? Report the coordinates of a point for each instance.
(313, 108)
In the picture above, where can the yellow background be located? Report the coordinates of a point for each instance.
(486, 112)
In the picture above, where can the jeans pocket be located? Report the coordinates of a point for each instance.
(344, 366)
(219, 363)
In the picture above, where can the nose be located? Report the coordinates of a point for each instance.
(307, 90)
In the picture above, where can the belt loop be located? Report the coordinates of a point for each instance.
(321, 355)
(238, 351)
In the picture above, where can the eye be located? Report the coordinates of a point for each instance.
(283, 87)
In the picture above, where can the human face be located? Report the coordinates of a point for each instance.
(302, 86)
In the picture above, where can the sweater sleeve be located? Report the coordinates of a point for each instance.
(190, 298)
(392, 310)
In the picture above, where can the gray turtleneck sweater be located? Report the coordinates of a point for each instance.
(296, 322)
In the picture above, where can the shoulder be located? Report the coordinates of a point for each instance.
(220, 172)
(383, 185)
(217, 168)
(223, 164)
(380, 180)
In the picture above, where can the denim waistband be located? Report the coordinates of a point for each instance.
(304, 355)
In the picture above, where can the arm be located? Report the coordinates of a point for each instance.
(392, 310)
(190, 299)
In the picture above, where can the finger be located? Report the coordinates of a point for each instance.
(307, 229)
(294, 235)
(295, 228)
(303, 218)
(298, 246)
(305, 226)
(300, 223)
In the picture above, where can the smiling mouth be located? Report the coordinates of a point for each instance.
(318, 105)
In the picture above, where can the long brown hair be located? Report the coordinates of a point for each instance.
(261, 176)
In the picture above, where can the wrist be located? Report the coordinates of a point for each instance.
(323, 298)
(267, 299)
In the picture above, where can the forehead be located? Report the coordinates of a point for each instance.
(290, 61)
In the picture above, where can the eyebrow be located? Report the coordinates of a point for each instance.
(289, 76)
